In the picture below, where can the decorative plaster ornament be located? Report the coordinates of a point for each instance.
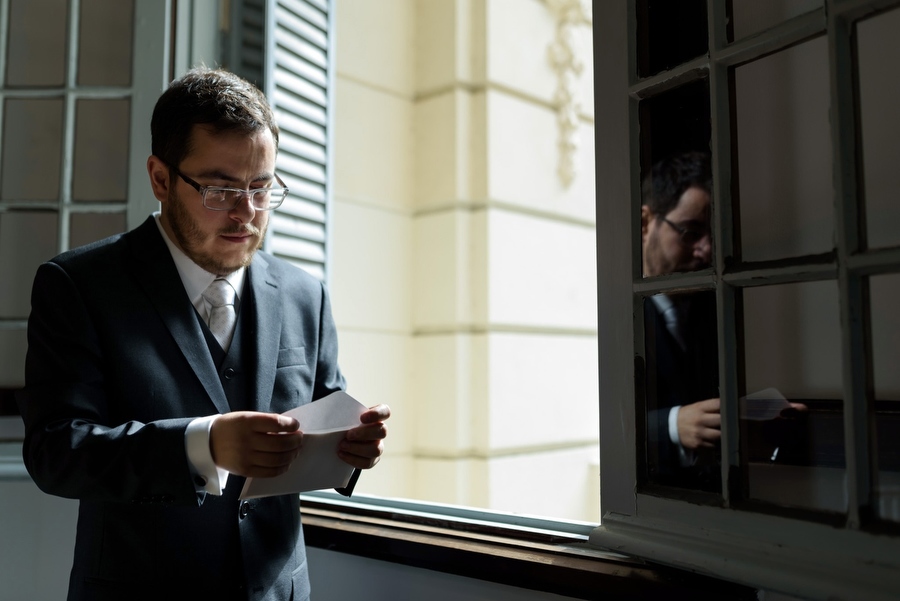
(564, 59)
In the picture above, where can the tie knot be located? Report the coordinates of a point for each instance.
(220, 293)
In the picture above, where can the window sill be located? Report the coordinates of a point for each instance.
(558, 563)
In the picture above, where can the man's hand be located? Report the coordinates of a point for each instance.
(363, 446)
(699, 424)
(253, 444)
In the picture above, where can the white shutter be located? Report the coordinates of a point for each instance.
(283, 46)
(297, 64)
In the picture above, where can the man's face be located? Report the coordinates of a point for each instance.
(664, 249)
(219, 241)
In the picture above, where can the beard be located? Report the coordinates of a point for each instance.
(191, 238)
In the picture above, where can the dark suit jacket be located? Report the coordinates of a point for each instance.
(676, 376)
(117, 367)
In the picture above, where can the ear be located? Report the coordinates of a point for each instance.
(159, 177)
(647, 216)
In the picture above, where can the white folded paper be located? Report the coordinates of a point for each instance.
(324, 424)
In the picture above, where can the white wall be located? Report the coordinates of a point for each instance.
(464, 279)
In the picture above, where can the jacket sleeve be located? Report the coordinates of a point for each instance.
(72, 447)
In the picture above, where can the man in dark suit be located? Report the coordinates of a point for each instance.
(160, 360)
(683, 425)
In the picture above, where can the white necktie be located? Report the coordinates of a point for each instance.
(220, 294)
(673, 320)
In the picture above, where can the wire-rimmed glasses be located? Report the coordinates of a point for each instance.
(217, 198)
(689, 235)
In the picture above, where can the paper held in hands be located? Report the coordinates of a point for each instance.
(324, 424)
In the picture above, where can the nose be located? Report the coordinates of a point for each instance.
(703, 249)
(244, 211)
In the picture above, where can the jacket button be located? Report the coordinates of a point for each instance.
(229, 373)
(245, 509)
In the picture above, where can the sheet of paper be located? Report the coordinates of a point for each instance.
(763, 405)
(324, 424)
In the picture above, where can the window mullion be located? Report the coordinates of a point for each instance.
(723, 248)
(858, 404)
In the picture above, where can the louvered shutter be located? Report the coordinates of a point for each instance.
(283, 46)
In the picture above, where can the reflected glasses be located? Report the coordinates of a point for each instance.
(217, 198)
(689, 235)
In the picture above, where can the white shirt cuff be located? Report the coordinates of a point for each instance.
(206, 475)
(685, 456)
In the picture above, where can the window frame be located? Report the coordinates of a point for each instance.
(735, 541)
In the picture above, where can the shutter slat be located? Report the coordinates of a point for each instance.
(288, 21)
(314, 172)
(297, 228)
(301, 128)
(289, 101)
(298, 65)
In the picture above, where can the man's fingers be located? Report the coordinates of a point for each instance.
(374, 414)
(371, 432)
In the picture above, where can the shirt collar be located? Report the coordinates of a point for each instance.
(194, 278)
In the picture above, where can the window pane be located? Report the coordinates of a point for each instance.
(670, 33)
(32, 147)
(884, 298)
(753, 16)
(675, 121)
(104, 52)
(681, 354)
(677, 181)
(26, 241)
(791, 417)
(37, 43)
(89, 227)
(784, 154)
(101, 150)
(879, 96)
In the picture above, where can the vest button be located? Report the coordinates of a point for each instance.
(245, 509)
(229, 373)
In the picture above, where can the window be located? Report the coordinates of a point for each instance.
(66, 145)
(787, 100)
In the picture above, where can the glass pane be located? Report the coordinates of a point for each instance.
(879, 95)
(27, 239)
(670, 33)
(37, 43)
(682, 390)
(675, 121)
(675, 211)
(784, 154)
(884, 298)
(104, 43)
(791, 420)
(101, 150)
(32, 149)
(752, 16)
(90, 227)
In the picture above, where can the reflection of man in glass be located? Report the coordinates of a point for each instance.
(681, 347)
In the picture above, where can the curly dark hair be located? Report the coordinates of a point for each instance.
(204, 96)
(670, 177)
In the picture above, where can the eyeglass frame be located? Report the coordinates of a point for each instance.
(250, 192)
(682, 231)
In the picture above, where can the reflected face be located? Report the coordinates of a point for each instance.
(664, 249)
(220, 241)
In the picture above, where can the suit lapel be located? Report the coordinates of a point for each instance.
(266, 330)
(161, 283)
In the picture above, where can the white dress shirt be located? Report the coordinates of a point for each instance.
(206, 475)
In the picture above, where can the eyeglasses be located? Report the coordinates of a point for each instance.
(217, 198)
(689, 235)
